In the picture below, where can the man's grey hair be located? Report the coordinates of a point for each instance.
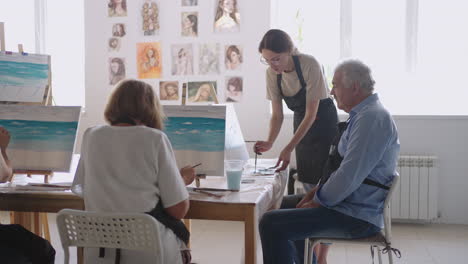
(356, 71)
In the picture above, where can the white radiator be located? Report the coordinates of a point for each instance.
(416, 196)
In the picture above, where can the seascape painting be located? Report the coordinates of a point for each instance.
(24, 77)
(42, 137)
(197, 135)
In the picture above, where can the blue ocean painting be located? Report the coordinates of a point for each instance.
(43, 136)
(196, 133)
(23, 74)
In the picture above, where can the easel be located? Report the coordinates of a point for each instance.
(34, 221)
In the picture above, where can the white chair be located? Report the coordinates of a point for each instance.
(135, 231)
(382, 239)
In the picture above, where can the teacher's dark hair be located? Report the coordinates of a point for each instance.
(277, 41)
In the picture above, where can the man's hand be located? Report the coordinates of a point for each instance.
(307, 201)
(188, 174)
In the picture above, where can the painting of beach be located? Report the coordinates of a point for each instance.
(24, 78)
(42, 137)
(197, 134)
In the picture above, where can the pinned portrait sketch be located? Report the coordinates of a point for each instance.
(189, 2)
(200, 92)
(117, 8)
(169, 91)
(182, 59)
(114, 44)
(233, 89)
(208, 58)
(116, 70)
(149, 60)
(227, 17)
(233, 57)
(189, 24)
(150, 18)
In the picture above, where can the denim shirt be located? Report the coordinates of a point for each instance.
(369, 147)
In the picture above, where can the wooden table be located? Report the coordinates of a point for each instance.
(247, 205)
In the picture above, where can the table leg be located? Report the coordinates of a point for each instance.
(79, 255)
(250, 241)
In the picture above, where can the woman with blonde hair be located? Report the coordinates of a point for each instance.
(133, 156)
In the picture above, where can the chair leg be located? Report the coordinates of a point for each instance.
(379, 253)
(66, 254)
(309, 250)
(390, 257)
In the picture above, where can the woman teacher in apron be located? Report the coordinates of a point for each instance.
(298, 79)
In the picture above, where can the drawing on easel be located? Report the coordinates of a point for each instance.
(24, 78)
(42, 137)
(197, 134)
(199, 92)
(149, 60)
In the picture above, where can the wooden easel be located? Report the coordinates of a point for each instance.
(34, 221)
(213, 94)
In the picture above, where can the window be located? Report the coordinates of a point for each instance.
(56, 28)
(64, 41)
(415, 49)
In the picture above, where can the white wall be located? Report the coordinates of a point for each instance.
(441, 136)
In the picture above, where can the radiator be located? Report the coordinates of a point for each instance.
(415, 197)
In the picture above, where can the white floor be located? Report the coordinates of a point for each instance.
(222, 242)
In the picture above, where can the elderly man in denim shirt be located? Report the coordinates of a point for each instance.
(346, 205)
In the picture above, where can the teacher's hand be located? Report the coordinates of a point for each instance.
(284, 159)
(262, 146)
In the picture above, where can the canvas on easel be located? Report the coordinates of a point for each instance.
(24, 78)
(206, 134)
(43, 137)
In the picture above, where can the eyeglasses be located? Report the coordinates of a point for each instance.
(275, 61)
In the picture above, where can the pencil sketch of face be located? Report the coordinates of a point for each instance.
(118, 30)
(182, 59)
(189, 24)
(209, 59)
(116, 70)
(169, 91)
(189, 2)
(233, 57)
(114, 44)
(117, 8)
(233, 89)
(150, 18)
(200, 91)
(227, 17)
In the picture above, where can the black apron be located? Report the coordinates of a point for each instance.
(312, 150)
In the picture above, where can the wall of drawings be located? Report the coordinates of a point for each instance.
(175, 43)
